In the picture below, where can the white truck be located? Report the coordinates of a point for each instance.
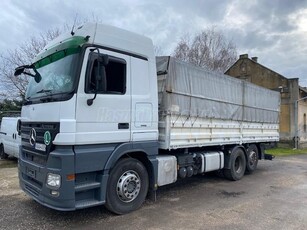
(9, 137)
(106, 122)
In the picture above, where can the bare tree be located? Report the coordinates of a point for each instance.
(209, 49)
(15, 87)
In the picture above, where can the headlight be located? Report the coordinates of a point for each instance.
(54, 180)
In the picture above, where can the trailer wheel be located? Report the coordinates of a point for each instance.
(237, 165)
(252, 159)
(127, 186)
(3, 155)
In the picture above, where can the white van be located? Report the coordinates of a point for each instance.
(9, 137)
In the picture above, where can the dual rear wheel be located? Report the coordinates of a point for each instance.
(241, 163)
(252, 159)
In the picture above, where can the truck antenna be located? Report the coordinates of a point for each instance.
(72, 31)
(73, 27)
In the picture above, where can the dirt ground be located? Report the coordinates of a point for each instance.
(274, 197)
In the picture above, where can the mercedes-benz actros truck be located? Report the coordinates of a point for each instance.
(105, 122)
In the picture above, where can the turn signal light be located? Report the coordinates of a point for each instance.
(70, 177)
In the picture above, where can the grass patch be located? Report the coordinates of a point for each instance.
(285, 151)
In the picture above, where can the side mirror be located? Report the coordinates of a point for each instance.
(19, 70)
(37, 76)
(104, 59)
(101, 61)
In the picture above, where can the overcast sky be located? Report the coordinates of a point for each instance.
(273, 30)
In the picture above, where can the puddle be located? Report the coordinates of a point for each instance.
(231, 194)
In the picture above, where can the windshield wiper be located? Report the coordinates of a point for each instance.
(49, 98)
(21, 69)
(44, 91)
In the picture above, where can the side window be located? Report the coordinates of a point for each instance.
(114, 81)
(116, 76)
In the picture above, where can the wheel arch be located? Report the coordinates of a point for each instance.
(229, 151)
(149, 165)
(144, 152)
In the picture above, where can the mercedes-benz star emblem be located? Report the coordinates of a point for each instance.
(32, 138)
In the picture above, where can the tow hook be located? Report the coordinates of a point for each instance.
(268, 157)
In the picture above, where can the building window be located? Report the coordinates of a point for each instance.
(243, 67)
(305, 122)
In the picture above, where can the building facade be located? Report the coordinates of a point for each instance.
(293, 108)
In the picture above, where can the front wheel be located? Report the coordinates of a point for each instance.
(127, 186)
(3, 155)
(237, 165)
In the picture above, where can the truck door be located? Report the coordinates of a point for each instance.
(103, 112)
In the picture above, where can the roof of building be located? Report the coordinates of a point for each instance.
(245, 56)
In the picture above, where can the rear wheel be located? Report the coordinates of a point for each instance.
(3, 155)
(252, 159)
(237, 165)
(127, 186)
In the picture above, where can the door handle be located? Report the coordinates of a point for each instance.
(123, 125)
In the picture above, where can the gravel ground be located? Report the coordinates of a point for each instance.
(274, 197)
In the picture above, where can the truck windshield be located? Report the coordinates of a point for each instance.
(58, 75)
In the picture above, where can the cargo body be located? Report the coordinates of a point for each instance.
(105, 122)
(198, 107)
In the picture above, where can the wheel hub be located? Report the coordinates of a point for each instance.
(128, 186)
(252, 158)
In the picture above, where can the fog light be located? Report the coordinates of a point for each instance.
(54, 180)
(54, 193)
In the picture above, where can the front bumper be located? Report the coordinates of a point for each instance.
(32, 180)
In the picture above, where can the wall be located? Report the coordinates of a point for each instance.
(302, 122)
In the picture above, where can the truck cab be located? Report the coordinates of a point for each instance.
(84, 111)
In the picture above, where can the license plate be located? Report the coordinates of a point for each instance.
(40, 147)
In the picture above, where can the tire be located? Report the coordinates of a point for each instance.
(237, 165)
(127, 186)
(252, 159)
(3, 155)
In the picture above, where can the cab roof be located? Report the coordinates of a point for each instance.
(105, 36)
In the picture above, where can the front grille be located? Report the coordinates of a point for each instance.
(29, 152)
(35, 183)
(31, 190)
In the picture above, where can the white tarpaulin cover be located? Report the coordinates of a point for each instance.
(187, 90)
